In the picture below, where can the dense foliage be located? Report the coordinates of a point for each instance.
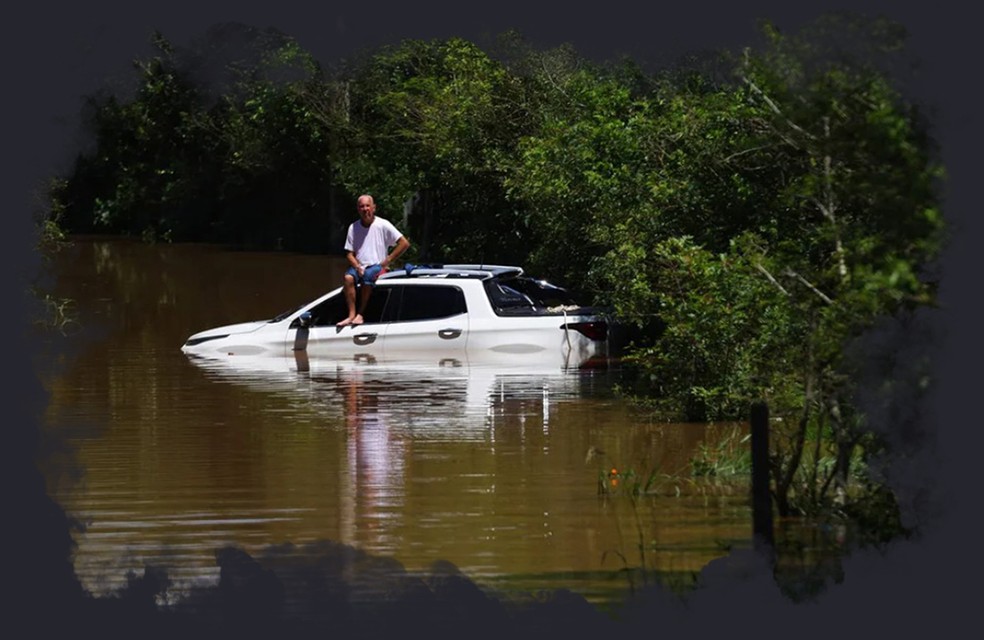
(752, 214)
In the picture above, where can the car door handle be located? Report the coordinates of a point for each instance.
(449, 334)
(364, 338)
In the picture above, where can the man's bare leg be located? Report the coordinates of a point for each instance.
(349, 289)
(366, 291)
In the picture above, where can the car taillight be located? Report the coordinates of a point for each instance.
(592, 330)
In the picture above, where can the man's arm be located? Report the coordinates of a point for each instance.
(401, 245)
(353, 261)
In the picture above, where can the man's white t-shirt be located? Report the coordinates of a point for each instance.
(371, 244)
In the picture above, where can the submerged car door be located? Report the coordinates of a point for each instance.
(431, 320)
(321, 337)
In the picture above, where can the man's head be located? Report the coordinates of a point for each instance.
(367, 210)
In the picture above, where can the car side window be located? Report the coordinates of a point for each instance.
(334, 310)
(431, 302)
(329, 312)
(376, 309)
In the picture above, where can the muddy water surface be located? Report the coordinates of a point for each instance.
(494, 470)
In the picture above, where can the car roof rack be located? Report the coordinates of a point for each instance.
(480, 271)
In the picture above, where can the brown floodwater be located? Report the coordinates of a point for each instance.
(168, 460)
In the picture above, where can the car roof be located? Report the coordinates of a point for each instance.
(478, 271)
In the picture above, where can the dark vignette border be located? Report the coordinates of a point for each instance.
(55, 54)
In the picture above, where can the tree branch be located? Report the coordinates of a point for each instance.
(828, 212)
(770, 278)
(744, 151)
(809, 285)
(829, 207)
(775, 108)
(549, 77)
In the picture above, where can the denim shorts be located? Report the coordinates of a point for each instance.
(369, 275)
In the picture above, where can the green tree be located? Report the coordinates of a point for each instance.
(844, 171)
(432, 125)
(617, 166)
(141, 176)
(278, 149)
(245, 157)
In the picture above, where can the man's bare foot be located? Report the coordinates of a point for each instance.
(347, 321)
(357, 319)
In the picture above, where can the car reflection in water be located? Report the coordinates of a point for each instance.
(385, 406)
(447, 398)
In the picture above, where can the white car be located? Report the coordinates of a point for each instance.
(450, 311)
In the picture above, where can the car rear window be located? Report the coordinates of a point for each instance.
(516, 294)
(542, 293)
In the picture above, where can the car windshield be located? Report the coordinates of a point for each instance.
(285, 314)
